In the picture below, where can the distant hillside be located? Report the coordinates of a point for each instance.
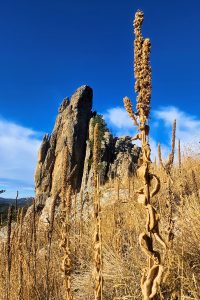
(21, 201)
(6, 202)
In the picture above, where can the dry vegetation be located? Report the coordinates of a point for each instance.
(28, 271)
(90, 249)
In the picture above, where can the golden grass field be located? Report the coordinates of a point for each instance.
(34, 262)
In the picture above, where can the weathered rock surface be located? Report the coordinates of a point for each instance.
(74, 129)
(119, 158)
(125, 157)
(70, 130)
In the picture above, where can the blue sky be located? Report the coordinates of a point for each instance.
(50, 48)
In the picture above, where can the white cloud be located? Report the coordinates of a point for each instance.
(18, 153)
(118, 120)
(188, 127)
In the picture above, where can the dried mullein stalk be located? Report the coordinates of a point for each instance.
(65, 243)
(49, 240)
(16, 201)
(142, 69)
(195, 184)
(34, 243)
(8, 250)
(169, 164)
(151, 277)
(167, 167)
(67, 261)
(160, 156)
(179, 155)
(98, 258)
(131, 113)
(20, 256)
(75, 224)
(96, 152)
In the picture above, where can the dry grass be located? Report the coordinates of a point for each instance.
(121, 223)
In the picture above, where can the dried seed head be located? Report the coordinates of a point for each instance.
(160, 156)
(128, 107)
(142, 69)
(96, 152)
(144, 79)
(139, 18)
(173, 140)
(179, 154)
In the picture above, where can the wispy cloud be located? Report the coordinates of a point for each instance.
(119, 122)
(188, 127)
(18, 153)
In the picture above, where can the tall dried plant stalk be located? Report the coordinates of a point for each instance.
(160, 156)
(169, 164)
(96, 153)
(8, 250)
(75, 223)
(118, 188)
(65, 243)
(81, 218)
(49, 239)
(16, 201)
(129, 109)
(20, 256)
(179, 155)
(34, 244)
(195, 184)
(98, 257)
(151, 277)
(118, 221)
(168, 170)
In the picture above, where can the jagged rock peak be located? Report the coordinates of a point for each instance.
(71, 131)
(77, 97)
(63, 105)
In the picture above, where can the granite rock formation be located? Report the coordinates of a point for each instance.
(74, 129)
(119, 157)
(70, 130)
